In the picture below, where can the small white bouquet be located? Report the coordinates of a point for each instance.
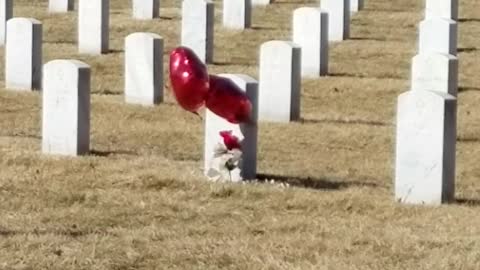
(226, 159)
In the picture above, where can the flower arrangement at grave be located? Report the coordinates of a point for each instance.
(227, 157)
(193, 89)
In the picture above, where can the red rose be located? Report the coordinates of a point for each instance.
(231, 141)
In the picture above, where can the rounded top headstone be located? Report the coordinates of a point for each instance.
(280, 44)
(67, 64)
(144, 35)
(22, 20)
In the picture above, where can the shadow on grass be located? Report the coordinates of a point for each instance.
(114, 51)
(367, 39)
(322, 183)
(258, 27)
(99, 153)
(352, 75)
(345, 122)
(463, 89)
(166, 18)
(73, 232)
(25, 136)
(107, 93)
(467, 50)
(468, 202)
(469, 20)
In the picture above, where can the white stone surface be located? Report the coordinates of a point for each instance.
(338, 18)
(260, 2)
(144, 69)
(197, 28)
(447, 9)
(280, 81)
(425, 148)
(435, 72)
(6, 13)
(145, 9)
(59, 6)
(237, 14)
(246, 131)
(438, 35)
(310, 32)
(93, 23)
(356, 5)
(23, 54)
(66, 108)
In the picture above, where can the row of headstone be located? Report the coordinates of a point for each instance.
(66, 117)
(141, 9)
(144, 83)
(283, 63)
(143, 62)
(66, 114)
(426, 115)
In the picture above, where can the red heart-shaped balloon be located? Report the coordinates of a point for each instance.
(189, 79)
(228, 101)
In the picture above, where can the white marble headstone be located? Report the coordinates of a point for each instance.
(425, 148)
(237, 14)
(438, 35)
(261, 2)
(247, 132)
(23, 54)
(356, 5)
(66, 108)
(144, 68)
(59, 6)
(435, 72)
(93, 24)
(197, 28)
(280, 81)
(145, 9)
(310, 32)
(447, 9)
(338, 18)
(6, 12)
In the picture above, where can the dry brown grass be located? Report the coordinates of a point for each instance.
(140, 201)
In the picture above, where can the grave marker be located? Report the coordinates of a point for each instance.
(338, 18)
(93, 23)
(435, 72)
(425, 148)
(23, 54)
(59, 6)
(237, 14)
(145, 9)
(144, 68)
(261, 2)
(197, 28)
(280, 81)
(310, 32)
(438, 35)
(66, 108)
(246, 132)
(356, 5)
(6, 13)
(447, 9)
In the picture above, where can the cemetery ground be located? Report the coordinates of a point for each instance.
(140, 201)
